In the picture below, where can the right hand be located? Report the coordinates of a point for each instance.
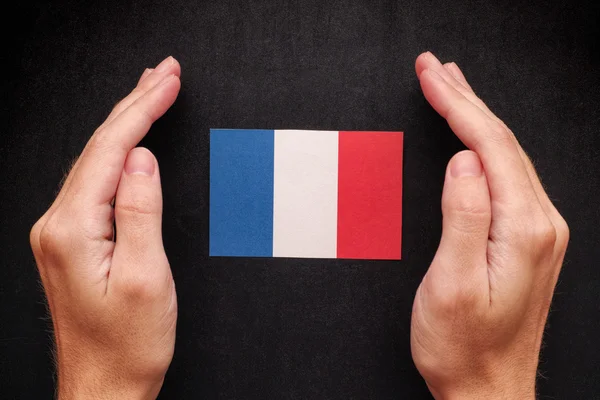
(112, 302)
(480, 311)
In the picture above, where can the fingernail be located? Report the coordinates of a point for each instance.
(466, 164)
(139, 161)
(166, 63)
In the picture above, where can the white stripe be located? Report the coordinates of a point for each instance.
(305, 194)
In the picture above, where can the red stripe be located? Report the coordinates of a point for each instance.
(370, 195)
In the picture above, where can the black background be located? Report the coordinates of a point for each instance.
(295, 329)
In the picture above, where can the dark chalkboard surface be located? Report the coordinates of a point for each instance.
(290, 328)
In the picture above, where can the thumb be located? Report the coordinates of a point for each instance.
(138, 210)
(467, 214)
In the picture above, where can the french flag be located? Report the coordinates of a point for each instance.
(299, 193)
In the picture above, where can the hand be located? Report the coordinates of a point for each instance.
(113, 303)
(480, 311)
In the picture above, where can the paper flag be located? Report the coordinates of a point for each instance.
(318, 194)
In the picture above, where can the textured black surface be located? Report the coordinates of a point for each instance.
(294, 329)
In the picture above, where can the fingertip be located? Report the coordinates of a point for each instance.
(139, 187)
(431, 84)
(140, 161)
(174, 66)
(456, 72)
(450, 67)
(466, 201)
(159, 99)
(172, 84)
(421, 63)
(168, 66)
(439, 93)
(145, 74)
(465, 164)
(171, 79)
(432, 74)
(177, 80)
(425, 61)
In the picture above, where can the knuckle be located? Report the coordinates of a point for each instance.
(545, 234)
(453, 300)
(134, 207)
(466, 295)
(98, 138)
(155, 364)
(445, 302)
(139, 288)
(118, 107)
(536, 237)
(126, 102)
(48, 238)
(497, 128)
(563, 233)
(34, 236)
(470, 206)
(103, 141)
(53, 236)
(145, 116)
(455, 111)
(468, 215)
(455, 297)
(499, 133)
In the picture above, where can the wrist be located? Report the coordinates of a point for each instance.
(490, 396)
(492, 393)
(82, 391)
(495, 381)
(97, 385)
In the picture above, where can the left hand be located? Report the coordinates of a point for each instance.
(480, 311)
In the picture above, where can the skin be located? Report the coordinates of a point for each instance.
(478, 315)
(113, 303)
(480, 311)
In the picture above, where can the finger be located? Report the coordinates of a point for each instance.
(429, 61)
(535, 181)
(541, 194)
(457, 74)
(533, 176)
(145, 74)
(138, 214)
(169, 66)
(95, 180)
(166, 67)
(506, 174)
(467, 213)
(453, 75)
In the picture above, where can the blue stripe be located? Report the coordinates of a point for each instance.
(241, 192)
